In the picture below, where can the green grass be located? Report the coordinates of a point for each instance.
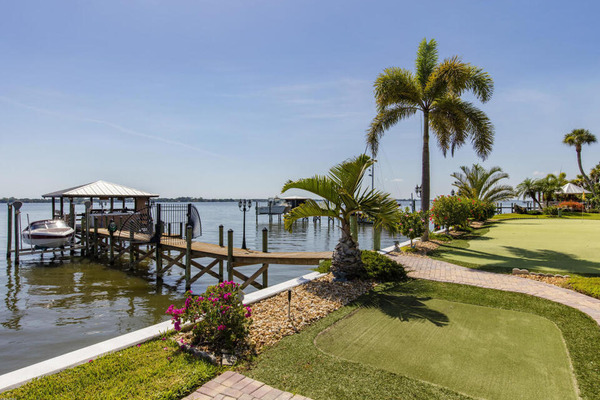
(297, 365)
(563, 246)
(145, 372)
(566, 215)
(484, 352)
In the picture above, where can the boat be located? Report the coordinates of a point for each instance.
(275, 206)
(47, 233)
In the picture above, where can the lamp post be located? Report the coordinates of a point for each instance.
(244, 206)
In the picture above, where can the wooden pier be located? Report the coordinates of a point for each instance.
(223, 260)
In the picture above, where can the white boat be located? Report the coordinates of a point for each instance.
(275, 206)
(48, 233)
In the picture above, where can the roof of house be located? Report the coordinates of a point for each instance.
(100, 189)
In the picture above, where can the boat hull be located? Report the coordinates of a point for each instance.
(47, 234)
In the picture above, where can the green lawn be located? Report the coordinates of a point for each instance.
(481, 351)
(563, 246)
(154, 370)
(566, 215)
(415, 339)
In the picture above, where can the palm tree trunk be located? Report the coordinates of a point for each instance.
(587, 180)
(346, 262)
(425, 172)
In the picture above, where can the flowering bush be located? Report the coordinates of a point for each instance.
(480, 210)
(221, 321)
(449, 211)
(571, 205)
(412, 225)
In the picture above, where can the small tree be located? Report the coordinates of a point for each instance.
(448, 211)
(413, 224)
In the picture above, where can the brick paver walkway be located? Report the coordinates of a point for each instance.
(427, 268)
(234, 386)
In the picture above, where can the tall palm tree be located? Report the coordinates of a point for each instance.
(434, 90)
(529, 188)
(577, 138)
(344, 197)
(481, 184)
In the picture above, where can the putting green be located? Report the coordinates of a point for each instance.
(479, 351)
(547, 245)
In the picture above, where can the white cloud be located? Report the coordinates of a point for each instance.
(538, 173)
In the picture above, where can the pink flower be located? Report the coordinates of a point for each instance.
(139, 345)
(220, 327)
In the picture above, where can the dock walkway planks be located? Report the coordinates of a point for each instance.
(240, 256)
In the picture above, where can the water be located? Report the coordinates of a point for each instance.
(60, 304)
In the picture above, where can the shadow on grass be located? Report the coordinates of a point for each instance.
(531, 259)
(404, 307)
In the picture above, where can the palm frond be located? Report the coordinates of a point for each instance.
(385, 120)
(318, 185)
(309, 208)
(396, 86)
(427, 59)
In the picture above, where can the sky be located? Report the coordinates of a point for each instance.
(221, 99)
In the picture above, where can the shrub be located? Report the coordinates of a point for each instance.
(480, 210)
(382, 268)
(588, 286)
(571, 205)
(519, 210)
(448, 211)
(551, 210)
(412, 224)
(221, 321)
(376, 266)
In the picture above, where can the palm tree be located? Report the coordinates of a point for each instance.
(344, 197)
(434, 90)
(478, 183)
(577, 138)
(549, 185)
(529, 188)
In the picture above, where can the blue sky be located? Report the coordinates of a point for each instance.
(232, 98)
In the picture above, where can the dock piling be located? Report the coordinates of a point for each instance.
(230, 255)
(16, 207)
(221, 261)
(158, 235)
(188, 256)
(9, 232)
(131, 249)
(265, 249)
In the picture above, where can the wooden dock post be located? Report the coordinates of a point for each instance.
(95, 251)
(376, 238)
(221, 277)
(16, 220)
(9, 232)
(131, 248)
(188, 256)
(111, 257)
(230, 255)
(265, 249)
(158, 235)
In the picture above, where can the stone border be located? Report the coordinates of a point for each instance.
(21, 376)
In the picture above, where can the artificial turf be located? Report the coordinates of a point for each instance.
(563, 246)
(481, 351)
(297, 365)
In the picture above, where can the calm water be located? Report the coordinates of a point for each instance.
(60, 304)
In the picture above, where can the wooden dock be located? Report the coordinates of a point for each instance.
(188, 252)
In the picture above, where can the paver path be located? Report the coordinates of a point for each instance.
(234, 386)
(427, 268)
